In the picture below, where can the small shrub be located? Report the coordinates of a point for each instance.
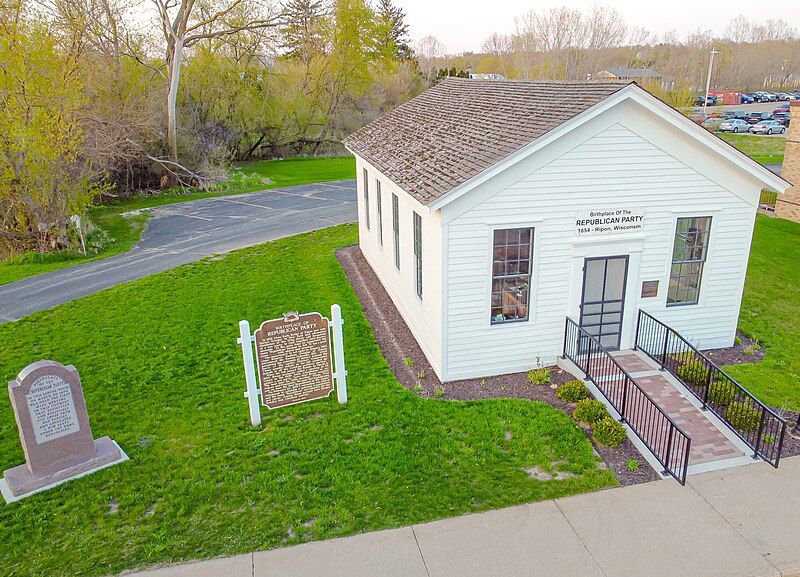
(749, 351)
(633, 465)
(408, 361)
(540, 376)
(694, 373)
(421, 375)
(743, 417)
(737, 340)
(721, 393)
(608, 432)
(683, 358)
(572, 392)
(417, 388)
(590, 411)
(439, 393)
(769, 439)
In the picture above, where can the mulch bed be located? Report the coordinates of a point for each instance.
(412, 370)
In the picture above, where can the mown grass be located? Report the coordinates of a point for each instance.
(126, 230)
(162, 375)
(764, 149)
(771, 313)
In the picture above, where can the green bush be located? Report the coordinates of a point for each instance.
(590, 411)
(743, 417)
(572, 392)
(540, 376)
(721, 393)
(694, 373)
(609, 432)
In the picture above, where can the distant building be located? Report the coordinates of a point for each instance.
(639, 75)
(486, 76)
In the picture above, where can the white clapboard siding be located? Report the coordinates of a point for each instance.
(423, 316)
(617, 167)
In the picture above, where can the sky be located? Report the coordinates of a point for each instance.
(463, 25)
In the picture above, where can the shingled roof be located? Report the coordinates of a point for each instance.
(460, 127)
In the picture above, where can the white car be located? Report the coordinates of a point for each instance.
(768, 127)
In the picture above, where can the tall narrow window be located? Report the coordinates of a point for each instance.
(418, 253)
(396, 230)
(379, 205)
(511, 274)
(366, 198)
(688, 258)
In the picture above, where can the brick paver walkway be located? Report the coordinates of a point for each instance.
(708, 442)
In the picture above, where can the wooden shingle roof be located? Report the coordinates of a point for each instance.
(461, 127)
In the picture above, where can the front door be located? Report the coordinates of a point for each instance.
(603, 298)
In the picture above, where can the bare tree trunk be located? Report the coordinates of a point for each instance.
(174, 73)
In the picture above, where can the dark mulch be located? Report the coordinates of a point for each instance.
(410, 366)
(745, 350)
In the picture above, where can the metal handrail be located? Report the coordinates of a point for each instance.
(668, 443)
(758, 426)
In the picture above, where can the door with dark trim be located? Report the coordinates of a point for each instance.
(603, 298)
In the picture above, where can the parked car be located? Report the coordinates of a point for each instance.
(711, 101)
(748, 98)
(761, 96)
(782, 96)
(781, 108)
(712, 123)
(782, 117)
(768, 127)
(756, 117)
(734, 114)
(734, 125)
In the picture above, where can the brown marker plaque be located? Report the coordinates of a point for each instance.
(649, 289)
(294, 359)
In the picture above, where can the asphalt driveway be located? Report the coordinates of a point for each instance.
(186, 232)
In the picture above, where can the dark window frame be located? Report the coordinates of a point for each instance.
(689, 256)
(417, 239)
(508, 271)
(366, 198)
(379, 208)
(396, 230)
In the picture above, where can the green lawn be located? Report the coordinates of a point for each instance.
(163, 376)
(771, 313)
(126, 230)
(764, 149)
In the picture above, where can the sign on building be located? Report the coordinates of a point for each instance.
(609, 221)
(54, 431)
(299, 358)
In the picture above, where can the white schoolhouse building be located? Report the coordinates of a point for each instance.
(493, 210)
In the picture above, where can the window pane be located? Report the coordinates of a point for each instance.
(511, 268)
(689, 253)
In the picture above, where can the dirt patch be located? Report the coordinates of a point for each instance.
(744, 350)
(412, 370)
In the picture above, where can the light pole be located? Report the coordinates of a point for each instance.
(708, 82)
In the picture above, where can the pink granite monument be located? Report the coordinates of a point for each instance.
(54, 429)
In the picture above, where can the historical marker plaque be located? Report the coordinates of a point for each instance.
(649, 289)
(294, 359)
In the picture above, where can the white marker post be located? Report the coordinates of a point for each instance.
(339, 371)
(253, 390)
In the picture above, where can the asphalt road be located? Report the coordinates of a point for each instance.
(186, 232)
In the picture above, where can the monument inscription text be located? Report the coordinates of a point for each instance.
(294, 359)
(52, 408)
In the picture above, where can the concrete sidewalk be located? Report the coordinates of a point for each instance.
(742, 522)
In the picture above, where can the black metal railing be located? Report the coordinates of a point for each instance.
(668, 443)
(752, 421)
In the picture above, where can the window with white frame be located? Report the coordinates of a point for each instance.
(396, 230)
(418, 253)
(688, 258)
(366, 198)
(379, 207)
(512, 253)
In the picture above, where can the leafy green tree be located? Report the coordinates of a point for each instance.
(303, 34)
(43, 178)
(392, 32)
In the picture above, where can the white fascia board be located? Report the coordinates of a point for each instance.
(739, 160)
